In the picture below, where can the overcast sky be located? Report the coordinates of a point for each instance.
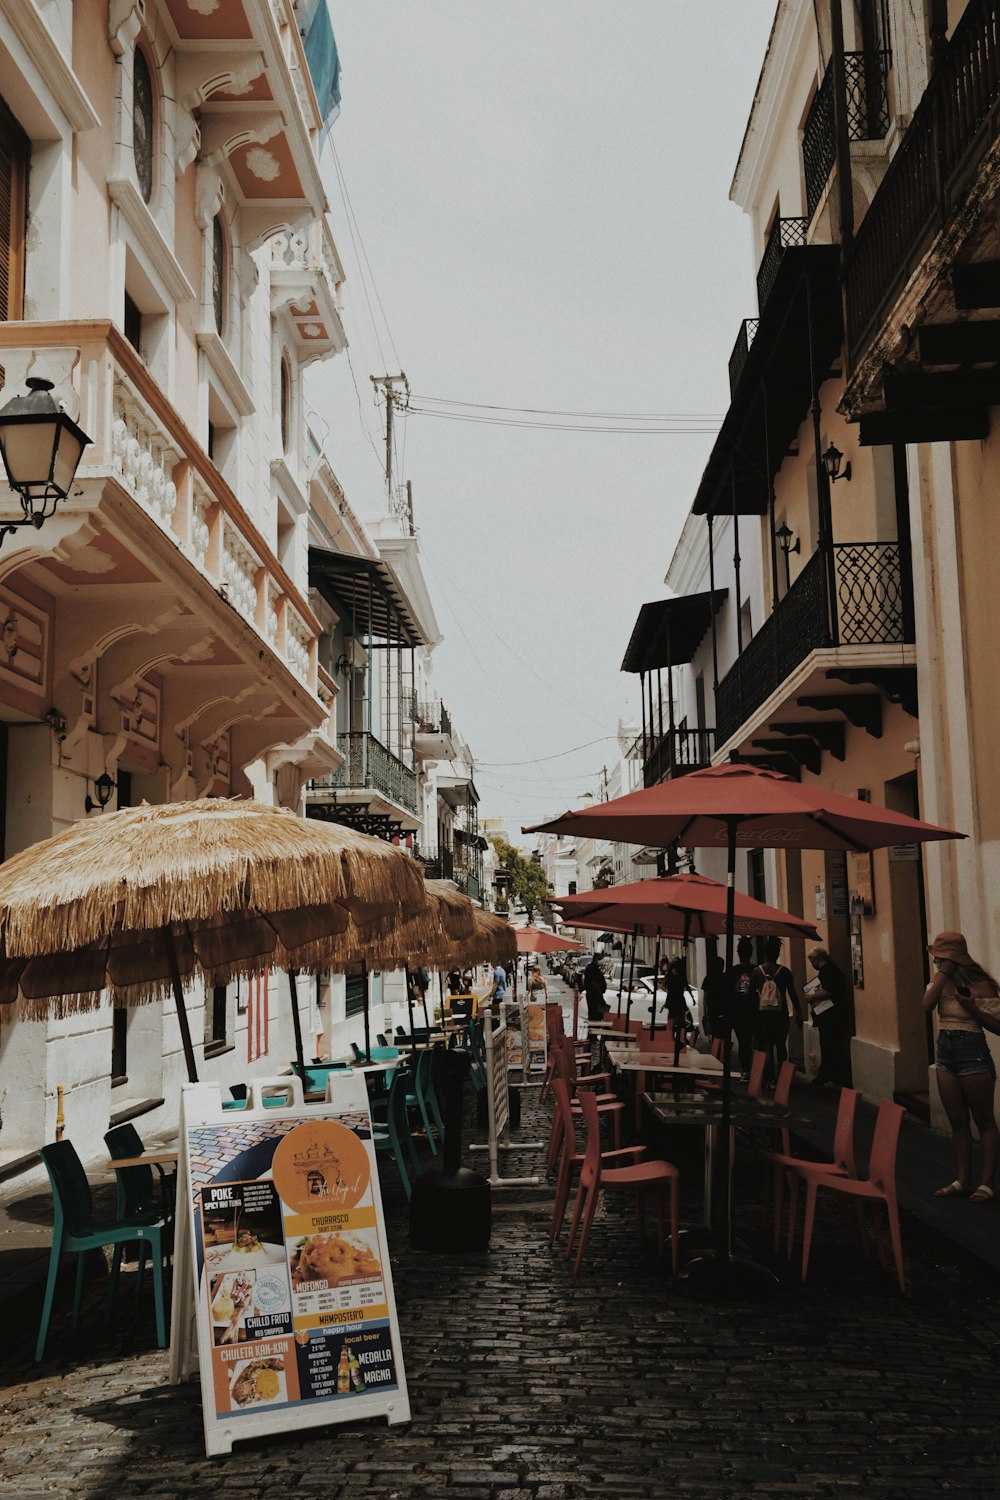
(541, 190)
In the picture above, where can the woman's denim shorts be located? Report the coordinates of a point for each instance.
(962, 1053)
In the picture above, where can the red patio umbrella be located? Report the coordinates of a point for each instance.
(533, 940)
(731, 805)
(678, 906)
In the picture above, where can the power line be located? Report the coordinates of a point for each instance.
(455, 416)
(549, 411)
(364, 251)
(509, 764)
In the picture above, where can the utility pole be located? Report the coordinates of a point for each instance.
(389, 382)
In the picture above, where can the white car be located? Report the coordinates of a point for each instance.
(642, 998)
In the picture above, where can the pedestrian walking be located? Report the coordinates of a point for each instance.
(713, 989)
(964, 1067)
(498, 986)
(743, 1002)
(594, 986)
(827, 996)
(538, 990)
(773, 991)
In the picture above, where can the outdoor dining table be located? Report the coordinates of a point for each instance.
(705, 1113)
(163, 1157)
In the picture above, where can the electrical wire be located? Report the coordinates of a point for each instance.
(560, 755)
(549, 411)
(350, 207)
(454, 416)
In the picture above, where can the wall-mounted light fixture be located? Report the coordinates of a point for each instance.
(783, 537)
(831, 463)
(41, 448)
(103, 786)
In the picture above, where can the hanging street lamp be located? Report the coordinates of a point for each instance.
(41, 448)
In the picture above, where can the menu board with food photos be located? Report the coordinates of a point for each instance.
(293, 1304)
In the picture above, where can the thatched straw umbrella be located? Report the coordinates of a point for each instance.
(135, 901)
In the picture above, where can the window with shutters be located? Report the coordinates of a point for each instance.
(13, 212)
(219, 265)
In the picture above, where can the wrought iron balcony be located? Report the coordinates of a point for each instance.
(741, 349)
(867, 117)
(370, 765)
(675, 753)
(927, 182)
(871, 608)
(439, 864)
(431, 718)
(786, 234)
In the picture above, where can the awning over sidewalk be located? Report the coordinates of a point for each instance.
(668, 632)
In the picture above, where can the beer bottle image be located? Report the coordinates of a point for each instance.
(343, 1373)
(357, 1378)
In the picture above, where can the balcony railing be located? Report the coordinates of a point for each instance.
(432, 717)
(871, 610)
(741, 351)
(140, 439)
(786, 234)
(867, 117)
(368, 764)
(928, 179)
(675, 753)
(439, 864)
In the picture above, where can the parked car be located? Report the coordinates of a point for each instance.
(642, 997)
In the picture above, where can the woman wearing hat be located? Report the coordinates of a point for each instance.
(966, 1074)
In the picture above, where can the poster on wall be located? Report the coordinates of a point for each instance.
(857, 953)
(820, 901)
(290, 1287)
(861, 884)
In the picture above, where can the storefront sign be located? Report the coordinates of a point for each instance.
(289, 1288)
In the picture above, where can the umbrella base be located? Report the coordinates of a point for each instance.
(736, 1277)
(451, 1212)
(694, 1243)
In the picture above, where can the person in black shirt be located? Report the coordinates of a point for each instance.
(830, 1017)
(713, 987)
(743, 1002)
(773, 988)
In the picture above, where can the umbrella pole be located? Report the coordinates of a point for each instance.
(297, 1026)
(366, 1001)
(677, 1023)
(182, 1016)
(621, 977)
(656, 986)
(631, 973)
(409, 1005)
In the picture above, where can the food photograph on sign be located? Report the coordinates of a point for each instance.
(290, 1265)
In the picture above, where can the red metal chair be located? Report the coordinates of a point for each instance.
(607, 1103)
(755, 1083)
(878, 1187)
(595, 1177)
(661, 1042)
(569, 1157)
(796, 1170)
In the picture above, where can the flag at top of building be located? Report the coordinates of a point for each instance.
(320, 47)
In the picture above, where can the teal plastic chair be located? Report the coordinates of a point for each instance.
(74, 1232)
(392, 1136)
(382, 1039)
(424, 1098)
(473, 1043)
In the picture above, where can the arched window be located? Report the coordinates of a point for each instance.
(143, 123)
(220, 266)
(285, 398)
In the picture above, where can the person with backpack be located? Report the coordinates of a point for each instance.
(773, 987)
(743, 1002)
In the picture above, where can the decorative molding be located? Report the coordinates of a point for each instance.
(127, 198)
(48, 57)
(785, 51)
(225, 371)
(125, 19)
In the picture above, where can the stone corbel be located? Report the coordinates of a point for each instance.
(222, 134)
(209, 193)
(187, 139)
(55, 364)
(124, 24)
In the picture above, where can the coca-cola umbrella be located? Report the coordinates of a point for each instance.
(731, 806)
(677, 906)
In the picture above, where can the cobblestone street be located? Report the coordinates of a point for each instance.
(526, 1383)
